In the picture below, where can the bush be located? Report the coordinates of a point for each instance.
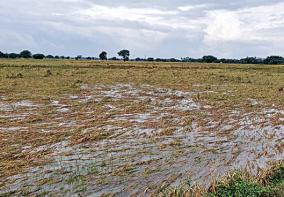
(13, 55)
(49, 56)
(38, 56)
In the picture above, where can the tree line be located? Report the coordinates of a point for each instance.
(125, 55)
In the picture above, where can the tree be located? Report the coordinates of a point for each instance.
(274, 60)
(113, 58)
(13, 55)
(38, 56)
(79, 57)
(209, 59)
(26, 54)
(2, 55)
(103, 55)
(49, 56)
(124, 54)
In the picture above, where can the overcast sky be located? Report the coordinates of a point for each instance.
(159, 28)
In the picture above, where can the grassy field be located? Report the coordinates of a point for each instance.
(121, 128)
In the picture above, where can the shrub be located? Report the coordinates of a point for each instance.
(38, 56)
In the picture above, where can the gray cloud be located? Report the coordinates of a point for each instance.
(160, 28)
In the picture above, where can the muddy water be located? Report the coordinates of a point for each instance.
(155, 137)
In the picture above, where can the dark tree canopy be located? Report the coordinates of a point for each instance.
(13, 55)
(124, 54)
(26, 54)
(38, 56)
(113, 58)
(2, 55)
(103, 55)
(78, 57)
(209, 59)
(274, 60)
(50, 56)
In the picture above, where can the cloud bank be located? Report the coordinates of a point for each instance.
(160, 29)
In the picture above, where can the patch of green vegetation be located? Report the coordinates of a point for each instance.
(78, 182)
(237, 185)
(278, 176)
(240, 186)
(92, 169)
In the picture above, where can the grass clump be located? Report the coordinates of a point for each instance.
(239, 185)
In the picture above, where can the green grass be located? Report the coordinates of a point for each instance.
(238, 184)
(241, 186)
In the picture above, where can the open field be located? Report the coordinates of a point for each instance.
(115, 128)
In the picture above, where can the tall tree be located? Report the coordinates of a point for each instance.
(124, 54)
(103, 55)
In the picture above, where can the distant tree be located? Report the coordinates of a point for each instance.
(113, 58)
(159, 60)
(38, 56)
(249, 60)
(187, 59)
(150, 59)
(103, 55)
(56, 57)
(274, 60)
(78, 57)
(62, 57)
(26, 54)
(173, 60)
(13, 55)
(209, 59)
(138, 59)
(68, 57)
(50, 56)
(124, 54)
(2, 55)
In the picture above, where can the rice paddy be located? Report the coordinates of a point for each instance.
(121, 129)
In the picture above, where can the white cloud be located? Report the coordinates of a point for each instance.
(148, 15)
(186, 8)
(250, 24)
(223, 25)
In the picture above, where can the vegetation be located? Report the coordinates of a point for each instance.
(38, 56)
(222, 87)
(26, 54)
(103, 55)
(238, 184)
(242, 186)
(125, 54)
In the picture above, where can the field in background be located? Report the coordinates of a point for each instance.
(91, 127)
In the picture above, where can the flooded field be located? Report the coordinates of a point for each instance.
(131, 136)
